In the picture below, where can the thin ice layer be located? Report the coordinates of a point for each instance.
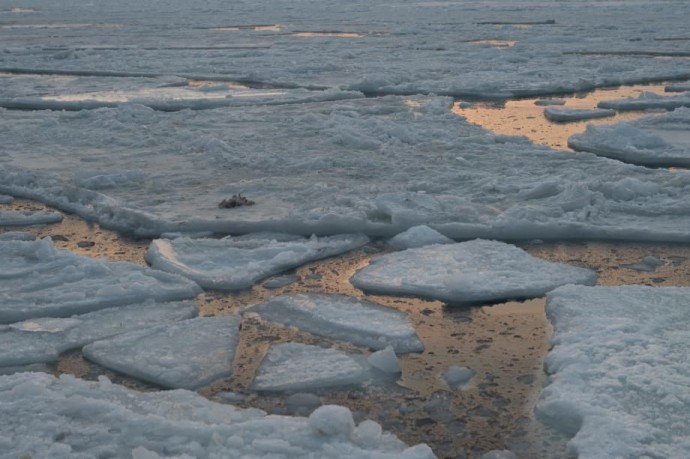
(571, 114)
(343, 318)
(28, 217)
(44, 339)
(188, 354)
(38, 280)
(42, 416)
(301, 367)
(619, 374)
(234, 263)
(662, 140)
(468, 272)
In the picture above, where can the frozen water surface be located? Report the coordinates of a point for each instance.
(618, 369)
(468, 272)
(187, 354)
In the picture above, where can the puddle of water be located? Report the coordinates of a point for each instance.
(254, 27)
(524, 118)
(328, 34)
(496, 43)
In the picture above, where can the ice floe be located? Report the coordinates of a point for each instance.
(467, 272)
(418, 236)
(188, 354)
(28, 217)
(4, 199)
(647, 101)
(572, 114)
(298, 367)
(233, 264)
(618, 370)
(44, 416)
(40, 281)
(344, 318)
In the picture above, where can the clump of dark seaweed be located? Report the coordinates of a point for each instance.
(237, 200)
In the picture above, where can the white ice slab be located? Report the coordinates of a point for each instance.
(44, 339)
(232, 264)
(418, 236)
(296, 367)
(68, 417)
(572, 114)
(187, 354)
(647, 101)
(651, 141)
(28, 217)
(38, 280)
(619, 374)
(343, 318)
(468, 272)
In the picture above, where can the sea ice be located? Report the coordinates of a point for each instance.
(17, 236)
(343, 318)
(188, 354)
(43, 416)
(44, 339)
(28, 217)
(456, 376)
(300, 367)
(647, 101)
(619, 379)
(386, 361)
(40, 281)
(548, 102)
(467, 272)
(572, 114)
(678, 87)
(418, 236)
(231, 264)
(4, 199)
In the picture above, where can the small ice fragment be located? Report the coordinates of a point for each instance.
(367, 434)
(385, 360)
(332, 420)
(302, 404)
(547, 102)
(280, 281)
(418, 236)
(456, 376)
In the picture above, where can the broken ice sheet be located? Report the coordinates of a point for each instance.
(44, 339)
(237, 263)
(619, 374)
(188, 354)
(300, 367)
(467, 272)
(344, 318)
(38, 280)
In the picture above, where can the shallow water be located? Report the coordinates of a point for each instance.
(504, 343)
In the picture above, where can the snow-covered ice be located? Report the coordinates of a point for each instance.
(662, 140)
(418, 236)
(44, 339)
(344, 318)
(40, 281)
(564, 114)
(299, 367)
(28, 217)
(43, 416)
(188, 354)
(647, 101)
(467, 272)
(619, 376)
(233, 264)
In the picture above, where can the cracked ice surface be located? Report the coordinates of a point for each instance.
(619, 374)
(40, 281)
(345, 318)
(43, 416)
(188, 354)
(233, 264)
(468, 272)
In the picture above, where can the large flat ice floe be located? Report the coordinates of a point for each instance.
(188, 354)
(301, 367)
(467, 272)
(647, 101)
(662, 140)
(344, 318)
(570, 114)
(41, 416)
(38, 280)
(233, 264)
(28, 217)
(44, 339)
(619, 375)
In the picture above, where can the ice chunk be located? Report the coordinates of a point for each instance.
(648, 264)
(230, 264)
(385, 360)
(619, 380)
(39, 281)
(299, 367)
(67, 416)
(647, 101)
(17, 236)
(302, 404)
(4, 199)
(571, 114)
(467, 272)
(44, 339)
(344, 318)
(187, 354)
(456, 376)
(678, 87)
(418, 236)
(28, 217)
(547, 102)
